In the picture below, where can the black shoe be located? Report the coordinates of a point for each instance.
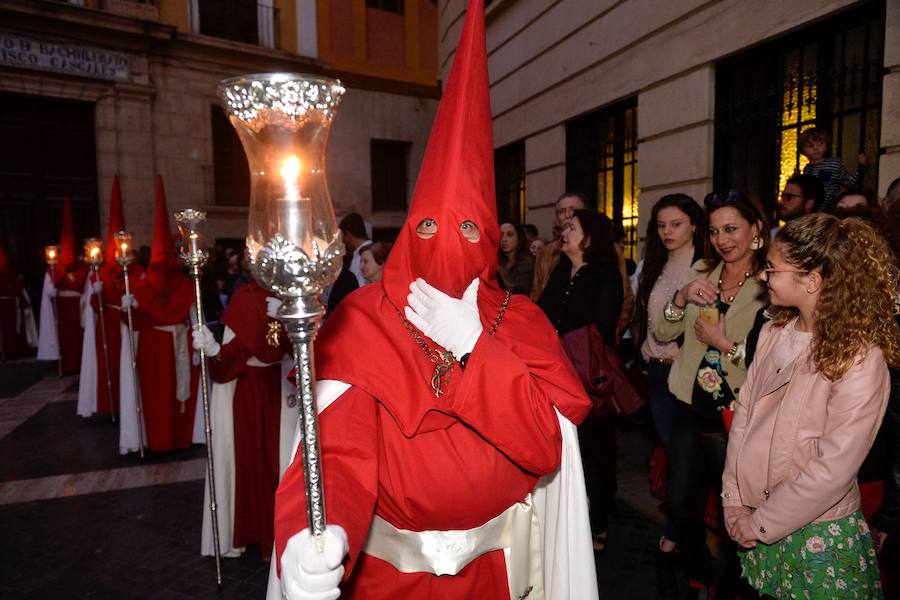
(666, 578)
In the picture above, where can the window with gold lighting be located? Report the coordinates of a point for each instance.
(602, 164)
(827, 75)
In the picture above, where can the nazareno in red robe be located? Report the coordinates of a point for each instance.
(390, 448)
(69, 282)
(113, 280)
(168, 422)
(257, 413)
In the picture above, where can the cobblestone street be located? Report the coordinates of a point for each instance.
(81, 521)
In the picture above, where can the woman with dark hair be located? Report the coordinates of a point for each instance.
(675, 235)
(715, 311)
(585, 289)
(516, 268)
(372, 257)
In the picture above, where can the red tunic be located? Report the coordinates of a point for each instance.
(390, 448)
(68, 314)
(168, 422)
(257, 414)
(14, 340)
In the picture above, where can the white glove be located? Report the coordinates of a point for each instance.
(129, 301)
(307, 573)
(51, 290)
(272, 306)
(98, 287)
(204, 340)
(452, 323)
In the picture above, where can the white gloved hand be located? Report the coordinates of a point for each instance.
(272, 306)
(307, 573)
(452, 323)
(204, 340)
(129, 301)
(51, 290)
(97, 286)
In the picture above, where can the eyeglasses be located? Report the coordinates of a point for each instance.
(768, 270)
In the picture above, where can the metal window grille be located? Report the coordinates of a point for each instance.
(827, 75)
(602, 164)
(509, 175)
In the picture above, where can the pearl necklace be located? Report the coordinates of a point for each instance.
(739, 285)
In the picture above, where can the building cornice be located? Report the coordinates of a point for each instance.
(102, 28)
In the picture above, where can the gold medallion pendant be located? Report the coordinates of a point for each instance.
(273, 335)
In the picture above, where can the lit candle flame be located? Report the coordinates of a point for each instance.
(290, 169)
(51, 254)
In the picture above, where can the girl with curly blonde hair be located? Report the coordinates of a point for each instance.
(809, 412)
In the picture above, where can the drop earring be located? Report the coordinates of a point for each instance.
(756, 244)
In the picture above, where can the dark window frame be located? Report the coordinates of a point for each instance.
(602, 163)
(231, 171)
(390, 191)
(509, 181)
(391, 6)
(812, 75)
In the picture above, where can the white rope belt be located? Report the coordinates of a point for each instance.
(515, 531)
(68, 294)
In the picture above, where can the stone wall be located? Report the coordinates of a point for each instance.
(160, 123)
(551, 61)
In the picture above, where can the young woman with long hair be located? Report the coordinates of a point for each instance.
(809, 411)
(675, 237)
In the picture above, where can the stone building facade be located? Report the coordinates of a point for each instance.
(94, 88)
(640, 98)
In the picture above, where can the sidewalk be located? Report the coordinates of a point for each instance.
(81, 521)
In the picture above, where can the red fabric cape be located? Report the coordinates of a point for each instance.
(246, 316)
(364, 343)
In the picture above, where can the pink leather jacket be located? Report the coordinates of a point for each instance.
(798, 439)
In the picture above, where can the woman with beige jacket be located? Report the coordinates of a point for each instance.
(714, 311)
(809, 411)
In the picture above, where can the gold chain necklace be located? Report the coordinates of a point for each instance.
(444, 360)
(739, 285)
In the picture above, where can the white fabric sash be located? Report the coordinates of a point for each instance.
(515, 531)
(68, 294)
(182, 359)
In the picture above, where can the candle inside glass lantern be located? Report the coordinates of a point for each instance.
(51, 255)
(283, 120)
(123, 247)
(191, 224)
(93, 251)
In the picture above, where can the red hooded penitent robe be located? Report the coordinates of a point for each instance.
(168, 421)
(257, 413)
(69, 282)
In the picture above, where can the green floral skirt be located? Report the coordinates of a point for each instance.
(832, 559)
